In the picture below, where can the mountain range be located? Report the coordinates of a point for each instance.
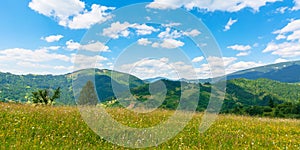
(256, 86)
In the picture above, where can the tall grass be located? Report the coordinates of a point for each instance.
(43, 127)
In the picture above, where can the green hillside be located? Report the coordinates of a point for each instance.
(261, 97)
(19, 87)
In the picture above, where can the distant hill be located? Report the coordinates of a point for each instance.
(19, 87)
(284, 72)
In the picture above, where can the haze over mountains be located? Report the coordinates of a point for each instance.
(284, 72)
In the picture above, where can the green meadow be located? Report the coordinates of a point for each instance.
(61, 127)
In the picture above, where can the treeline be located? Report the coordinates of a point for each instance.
(283, 110)
(244, 97)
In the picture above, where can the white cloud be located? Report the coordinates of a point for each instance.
(155, 45)
(281, 10)
(163, 67)
(242, 65)
(171, 43)
(229, 24)
(95, 47)
(40, 61)
(167, 34)
(297, 5)
(280, 60)
(40, 55)
(92, 46)
(294, 36)
(71, 45)
(198, 59)
(240, 47)
(172, 24)
(285, 49)
(52, 38)
(118, 29)
(243, 54)
(45, 61)
(84, 61)
(144, 41)
(160, 67)
(144, 29)
(244, 48)
(290, 47)
(294, 25)
(192, 33)
(227, 64)
(71, 13)
(42, 66)
(216, 5)
(280, 37)
(52, 48)
(217, 61)
(98, 14)
(215, 67)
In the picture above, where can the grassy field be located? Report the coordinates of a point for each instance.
(43, 127)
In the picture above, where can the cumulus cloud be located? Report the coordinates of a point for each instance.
(282, 10)
(71, 13)
(242, 65)
(95, 47)
(52, 48)
(118, 29)
(85, 20)
(297, 5)
(81, 61)
(43, 60)
(170, 37)
(243, 54)
(240, 47)
(171, 43)
(290, 45)
(160, 67)
(294, 25)
(169, 34)
(229, 24)
(198, 59)
(39, 55)
(91, 46)
(244, 48)
(192, 33)
(229, 64)
(285, 49)
(144, 41)
(172, 24)
(143, 29)
(216, 5)
(71, 45)
(52, 38)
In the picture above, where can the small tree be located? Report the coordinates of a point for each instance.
(88, 95)
(43, 97)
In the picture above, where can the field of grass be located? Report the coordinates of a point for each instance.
(44, 127)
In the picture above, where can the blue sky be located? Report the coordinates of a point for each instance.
(44, 36)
